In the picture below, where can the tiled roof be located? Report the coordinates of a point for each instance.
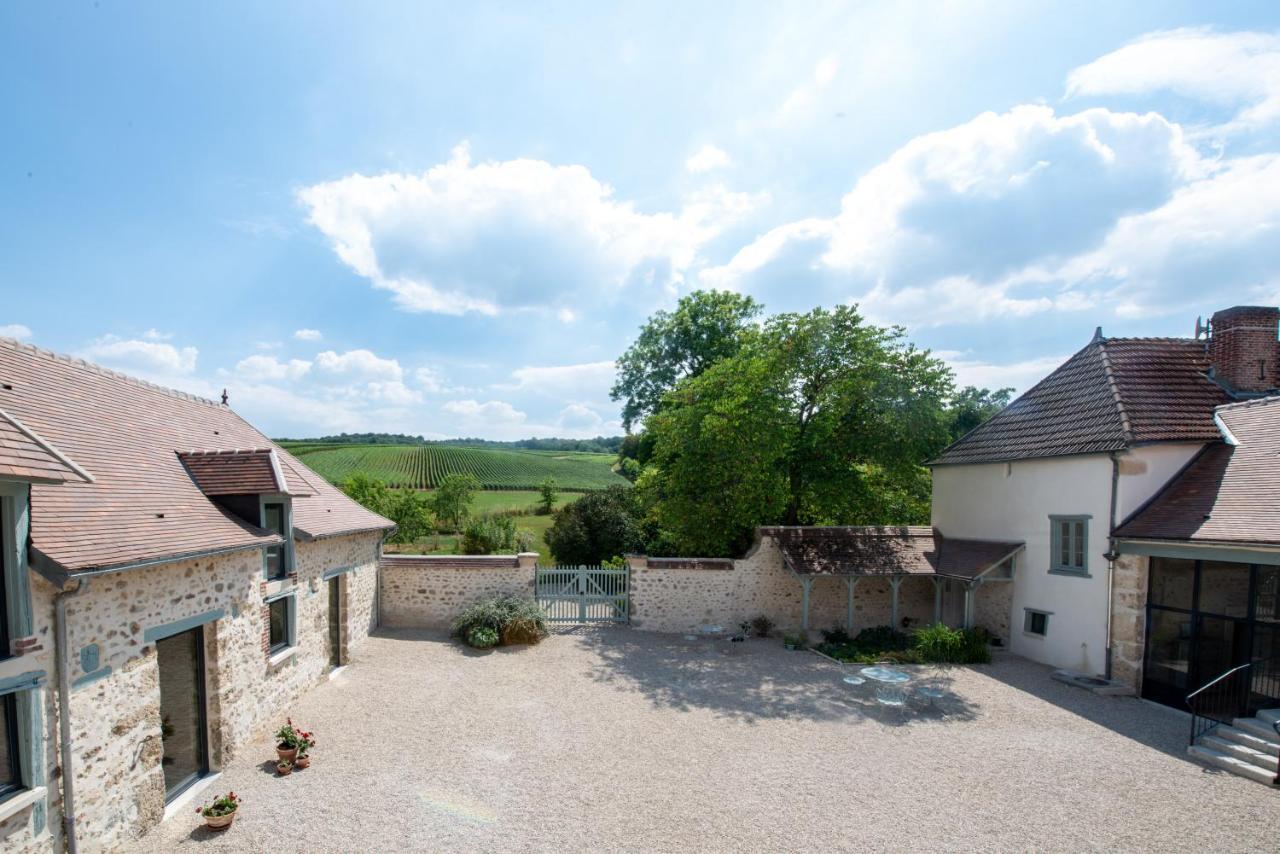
(1228, 493)
(142, 505)
(1114, 393)
(234, 472)
(26, 456)
(910, 550)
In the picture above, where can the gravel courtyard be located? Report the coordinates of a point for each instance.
(620, 740)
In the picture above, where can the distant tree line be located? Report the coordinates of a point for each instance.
(598, 445)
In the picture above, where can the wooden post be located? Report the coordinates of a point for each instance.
(894, 581)
(851, 582)
(806, 584)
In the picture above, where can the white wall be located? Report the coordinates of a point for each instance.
(1014, 502)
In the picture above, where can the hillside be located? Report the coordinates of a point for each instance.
(423, 466)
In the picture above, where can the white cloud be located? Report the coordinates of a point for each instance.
(357, 365)
(487, 237)
(156, 335)
(579, 418)
(493, 412)
(148, 357)
(429, 379)
(706, 159)
(270, 368)
(586, 380)
(268, 345)
(15, 330)
(393, 392)
(308, 335)
(1018, 375)
(1238, 70)
(955, 224)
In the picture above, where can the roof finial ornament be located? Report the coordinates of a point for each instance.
(224, 397)
(1202, 328)
(1097, 334)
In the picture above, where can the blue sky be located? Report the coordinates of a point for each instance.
(449, 219)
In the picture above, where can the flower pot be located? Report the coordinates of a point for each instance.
(284, 769)
(302, 762)
(220, 822)
(286, 754)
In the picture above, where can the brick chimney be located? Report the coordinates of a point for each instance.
(1244, 348)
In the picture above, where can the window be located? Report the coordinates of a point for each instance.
(10, 769)
(278, 628)
(273, 519)
(1070, 544)
(1036, 622)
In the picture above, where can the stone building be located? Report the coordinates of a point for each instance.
(172, 582)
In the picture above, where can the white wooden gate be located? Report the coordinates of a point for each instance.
(583, 594)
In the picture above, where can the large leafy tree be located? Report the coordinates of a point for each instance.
(821, 418)
(972, 406)
(705, 327)
(451, 501)
(598, 526)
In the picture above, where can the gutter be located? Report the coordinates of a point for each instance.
(64, 713)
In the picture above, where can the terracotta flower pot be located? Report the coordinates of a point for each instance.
(284, 769)
(286, 754)
(220, 822)
(302, 762)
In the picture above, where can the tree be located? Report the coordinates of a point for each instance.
(547, 496)
(596, 527)
(705, 327)
(489, 534)
(972, 406)
(822, 418)
(451, 501)
(410, 510)
(369, 493)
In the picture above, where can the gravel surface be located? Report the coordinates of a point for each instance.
(612, 739)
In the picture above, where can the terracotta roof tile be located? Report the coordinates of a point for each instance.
(909, 550)
(142, 505)
(1114, 393)
(1228, 493)
(24, 455)
(234, 472)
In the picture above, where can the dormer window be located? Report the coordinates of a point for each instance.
(275, 518)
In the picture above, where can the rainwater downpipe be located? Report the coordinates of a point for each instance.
(1111, 555)
(64, 713)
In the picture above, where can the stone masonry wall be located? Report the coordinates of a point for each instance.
(1128, 619)
(428, 591)
(115, 710)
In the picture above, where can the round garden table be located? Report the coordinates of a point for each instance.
(890, 690)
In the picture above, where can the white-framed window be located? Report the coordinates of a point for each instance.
(1069, 545)
(282, 623)
(276, 515)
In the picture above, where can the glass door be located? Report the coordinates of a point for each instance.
(182, 710)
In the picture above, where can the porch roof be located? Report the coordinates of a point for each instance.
(887, 551)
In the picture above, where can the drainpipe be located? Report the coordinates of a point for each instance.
(1111, 555)
(64, 713)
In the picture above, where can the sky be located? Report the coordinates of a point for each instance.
(449, 219)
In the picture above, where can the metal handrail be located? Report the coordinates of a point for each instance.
(1225, 698)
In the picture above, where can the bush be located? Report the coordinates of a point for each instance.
(761, 626)
(596, 527)
(489, 534)
(942, 645)
(482, 637)
(510, 619)
(934, 644)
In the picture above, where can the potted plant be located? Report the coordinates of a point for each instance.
(284, 767)
(287, 741)
(305, 742)
(794, 640)
(219, 814)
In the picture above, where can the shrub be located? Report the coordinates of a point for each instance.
(482, 637)
(761, 626)
(510, 619)
(796, 639)
(934, 644)
(835, 635)
(222, 805)
(525, 541)
(942, 645)
(489, 534)
(596, 527)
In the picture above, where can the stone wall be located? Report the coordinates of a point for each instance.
(115, 708)
(681, 595)
(993, 606)
(428, 591)
(1128, 619)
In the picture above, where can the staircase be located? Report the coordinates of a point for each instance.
(1249, 747)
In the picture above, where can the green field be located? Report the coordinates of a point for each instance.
(520, 503)
(423, 466)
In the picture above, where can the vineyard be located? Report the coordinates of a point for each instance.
(423, 466)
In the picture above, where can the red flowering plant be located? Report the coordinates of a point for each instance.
(222, 805)
(290, 736)
(306, 741)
